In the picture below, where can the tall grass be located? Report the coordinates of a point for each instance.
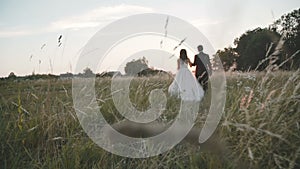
(261, 121)
(260, 125)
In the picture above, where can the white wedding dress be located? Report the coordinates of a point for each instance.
(185, 84)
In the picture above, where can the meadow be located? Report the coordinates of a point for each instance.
(260, 126)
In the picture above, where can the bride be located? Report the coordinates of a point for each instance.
(185, 85)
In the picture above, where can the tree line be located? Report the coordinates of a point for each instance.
(277, 45)
(137, 67)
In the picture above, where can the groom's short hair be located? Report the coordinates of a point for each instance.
(200, 48)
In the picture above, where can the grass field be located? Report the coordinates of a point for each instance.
(260, 125)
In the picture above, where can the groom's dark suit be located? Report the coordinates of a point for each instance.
(203, 69)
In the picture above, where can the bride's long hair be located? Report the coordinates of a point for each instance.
(183, 55)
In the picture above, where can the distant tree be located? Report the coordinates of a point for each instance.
(151, 72)
(252, 47)
(88, 72)
(228, 57)
(289, 26)
(12, 75)
(66, 75)
(109, 74)
(135, 66)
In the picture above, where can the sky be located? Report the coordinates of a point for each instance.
(29, 30)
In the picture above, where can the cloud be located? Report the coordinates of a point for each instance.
(90, 19)
(205, 22)
(13, 33)
(98, 16)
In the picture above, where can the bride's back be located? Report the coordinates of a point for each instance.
(182, 63)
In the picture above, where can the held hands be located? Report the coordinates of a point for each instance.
(189, 62)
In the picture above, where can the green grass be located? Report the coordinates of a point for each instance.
(260, 125)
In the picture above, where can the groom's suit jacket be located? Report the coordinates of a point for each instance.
(203, 65)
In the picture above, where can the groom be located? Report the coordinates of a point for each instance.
(203, 67)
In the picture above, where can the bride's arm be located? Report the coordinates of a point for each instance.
(189, 62)
(178, 64)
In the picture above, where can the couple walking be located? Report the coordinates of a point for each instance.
(185, 84)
